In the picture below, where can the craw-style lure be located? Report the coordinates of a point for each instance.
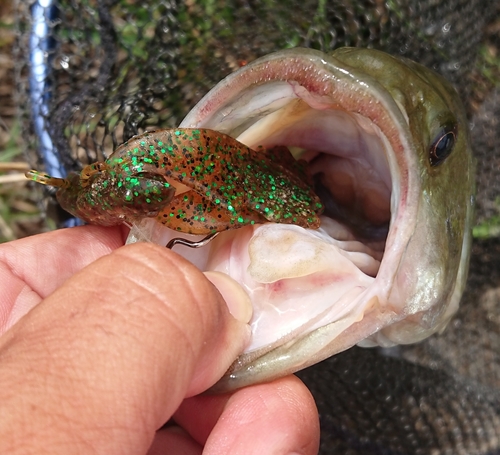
(196, 181)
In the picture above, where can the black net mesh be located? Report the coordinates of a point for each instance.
(91, 74)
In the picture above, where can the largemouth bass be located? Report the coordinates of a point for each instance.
(387, 144)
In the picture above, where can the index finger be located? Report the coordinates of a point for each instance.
(34, 267)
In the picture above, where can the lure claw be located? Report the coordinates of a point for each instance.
(46, 179)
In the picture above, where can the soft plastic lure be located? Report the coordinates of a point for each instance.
(195, 181)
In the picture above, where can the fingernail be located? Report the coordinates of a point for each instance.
(236, 298)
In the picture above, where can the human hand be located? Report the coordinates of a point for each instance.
(102, 344)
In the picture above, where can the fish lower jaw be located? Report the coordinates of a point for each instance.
(299, 280)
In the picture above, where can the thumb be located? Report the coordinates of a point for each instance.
(106, 359)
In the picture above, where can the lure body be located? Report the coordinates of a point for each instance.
(196, 181)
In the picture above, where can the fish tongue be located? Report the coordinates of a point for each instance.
(298, 279)
(286, 252)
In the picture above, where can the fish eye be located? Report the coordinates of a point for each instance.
(442, 146)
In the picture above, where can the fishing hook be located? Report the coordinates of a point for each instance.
(196, 244)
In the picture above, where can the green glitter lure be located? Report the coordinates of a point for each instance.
(196, 181)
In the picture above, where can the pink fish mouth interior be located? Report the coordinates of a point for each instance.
(347, 158)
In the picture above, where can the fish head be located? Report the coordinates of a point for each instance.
(388, 145)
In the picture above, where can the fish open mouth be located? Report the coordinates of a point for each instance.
(354, 148)
(318, 292)
(349, 164)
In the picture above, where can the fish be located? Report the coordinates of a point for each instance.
(387, 146)
(387, 140)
